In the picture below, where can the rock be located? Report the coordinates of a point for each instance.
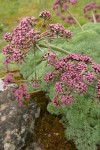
(1, 85)
(17, 123)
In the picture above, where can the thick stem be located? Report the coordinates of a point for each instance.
(54, 48)
(34, 63)
(51, 38)
(74, 19)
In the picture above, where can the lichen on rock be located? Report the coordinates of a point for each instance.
(17, 123)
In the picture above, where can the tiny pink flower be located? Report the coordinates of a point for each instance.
(8, 79)
(46, 15)
(48, 77)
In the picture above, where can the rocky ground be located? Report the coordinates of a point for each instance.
(17, 123)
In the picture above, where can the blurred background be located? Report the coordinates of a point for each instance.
(12, 10)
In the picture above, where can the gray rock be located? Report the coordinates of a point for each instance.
(2, 85)
(17, 123)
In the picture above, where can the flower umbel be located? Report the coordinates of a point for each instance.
(73, 76)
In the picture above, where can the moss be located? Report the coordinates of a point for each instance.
(49, 131)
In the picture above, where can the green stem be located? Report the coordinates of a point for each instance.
(39, 49)
(51, 38)
(54, 48)
(74, 19)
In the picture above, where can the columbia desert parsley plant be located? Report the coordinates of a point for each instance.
(73, 79)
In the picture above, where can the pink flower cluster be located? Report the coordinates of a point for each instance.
(73, 2)
(48, 77)
(46, 15)
(59, 30)
(8, 37)
(61, 6)
(72, 74)
(63, 99)
(89, 76)
(20, 40)
(96, 67)
(58, 3)
(92, 6)
(67, 99)
(7, 50)
(33, 36)
(35, 83)
(79, 57)
(56, 101)
(70, 20)
(22, 94)
(19, 34)
(8, 79)
(13, 54)
(59, 87)
(50, 57)
(23, 37)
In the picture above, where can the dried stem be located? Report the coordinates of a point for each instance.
(34, 92)
(74, 19)
(94, 19)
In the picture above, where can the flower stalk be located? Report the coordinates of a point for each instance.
(53, 47)
(34, 62)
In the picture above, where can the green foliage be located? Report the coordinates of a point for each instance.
(10, 66)
(27, 69)
(1, 59)
(1, 27)
(86, 42)
(53, 110)
(81, 122)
